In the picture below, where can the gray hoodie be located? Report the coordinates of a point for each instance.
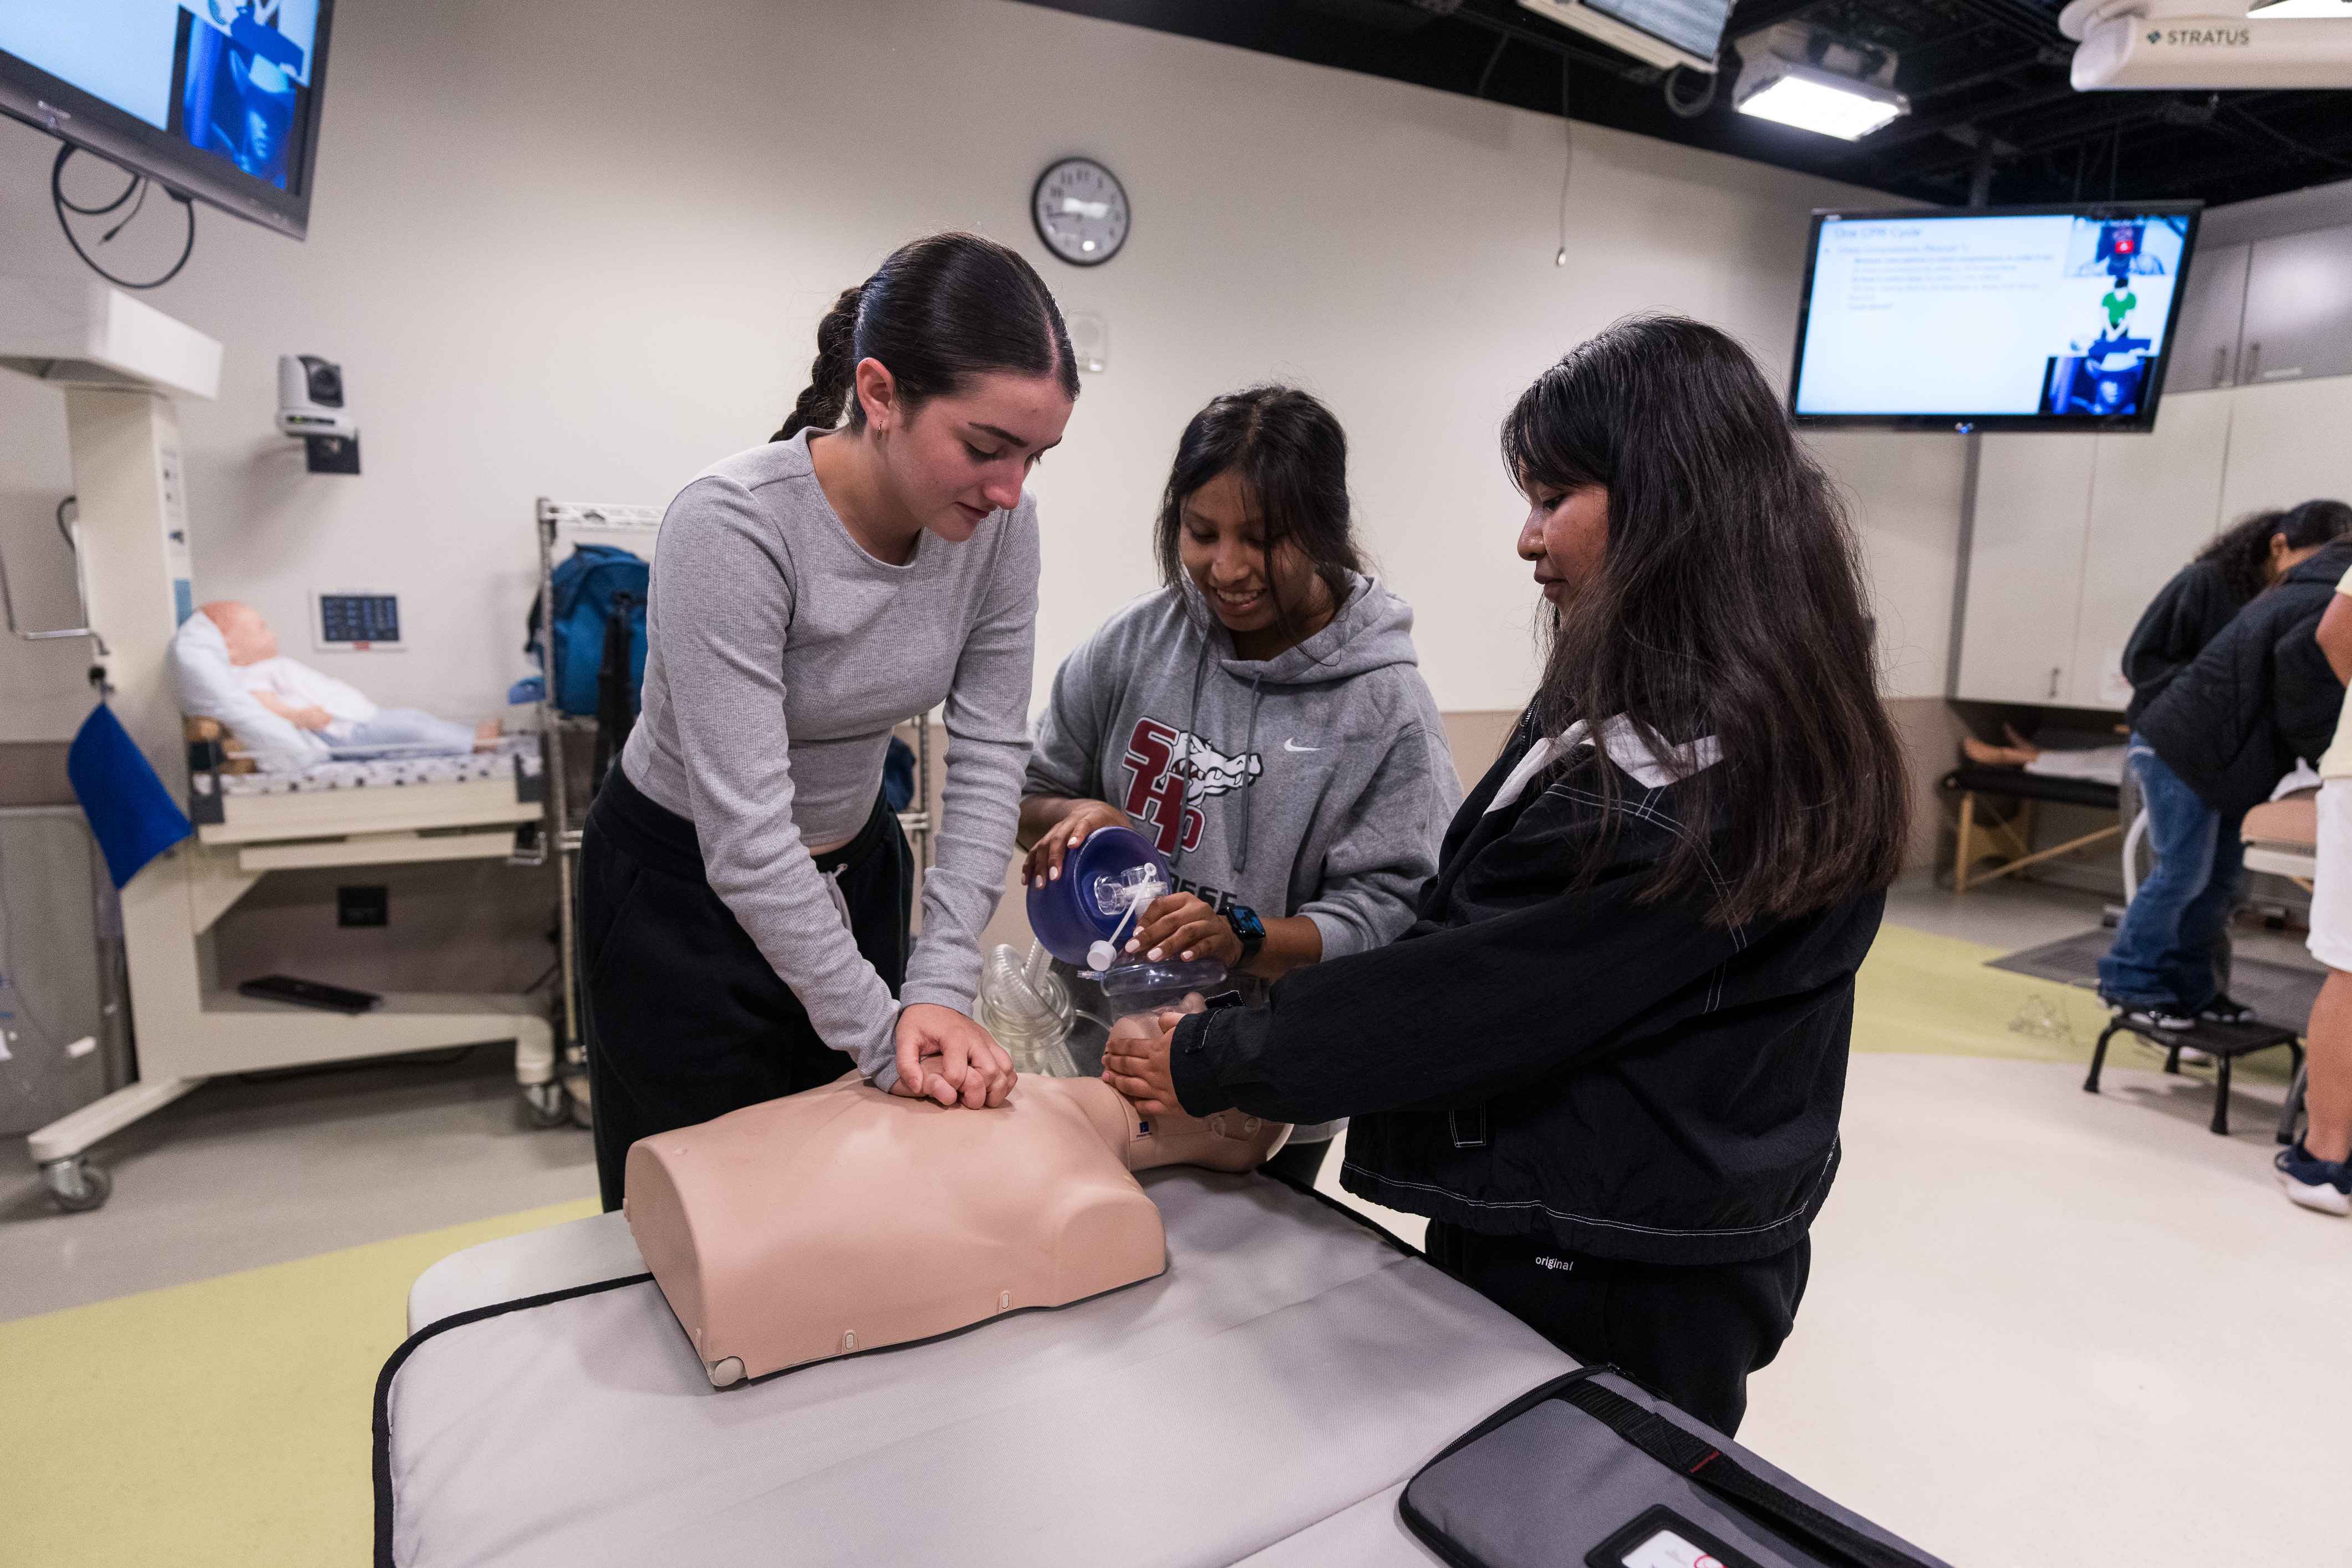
(1317, 783)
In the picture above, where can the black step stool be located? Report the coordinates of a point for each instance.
(2224, 1042)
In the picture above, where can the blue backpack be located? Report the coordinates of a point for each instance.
(597, 586)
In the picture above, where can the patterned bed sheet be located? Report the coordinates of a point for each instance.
(511, 753)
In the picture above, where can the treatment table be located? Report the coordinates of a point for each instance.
(1264, 1401)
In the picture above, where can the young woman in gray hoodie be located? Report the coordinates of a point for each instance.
(1261, 718)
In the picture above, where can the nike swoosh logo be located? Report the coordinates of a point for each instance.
(1294, 746)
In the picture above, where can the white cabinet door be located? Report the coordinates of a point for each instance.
(2156, 500)
(2290, 441)
(2205, 341)
(2026, 567)
(2298, 319)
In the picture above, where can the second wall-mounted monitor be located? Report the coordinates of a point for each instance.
(1991, 318)
(217, 99)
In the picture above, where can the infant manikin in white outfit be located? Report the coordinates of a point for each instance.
(844, 1219)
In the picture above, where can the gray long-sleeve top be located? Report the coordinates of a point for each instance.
(779, 655)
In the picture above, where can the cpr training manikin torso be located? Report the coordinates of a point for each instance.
(844, 1219)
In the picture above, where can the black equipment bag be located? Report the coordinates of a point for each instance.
(1591, 1472)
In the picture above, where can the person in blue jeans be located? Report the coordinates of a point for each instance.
(2162, 968)
(2215, 719)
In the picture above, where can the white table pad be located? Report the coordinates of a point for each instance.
(1262, 1401)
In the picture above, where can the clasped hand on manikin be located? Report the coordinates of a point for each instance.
(959, 1215)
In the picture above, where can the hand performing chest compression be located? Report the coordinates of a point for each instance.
(946, 1056)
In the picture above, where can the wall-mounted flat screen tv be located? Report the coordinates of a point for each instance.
(1991, 318)
(217, 99)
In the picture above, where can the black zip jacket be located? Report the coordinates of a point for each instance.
(2174, 629)
(2261, 695)
(1621, 1076)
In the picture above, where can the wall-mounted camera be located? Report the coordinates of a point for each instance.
(310, 406)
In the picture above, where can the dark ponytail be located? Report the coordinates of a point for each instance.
(830, 375)
(940, 311)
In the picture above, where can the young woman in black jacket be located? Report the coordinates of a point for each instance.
(2161, 969)
(1607, 1060)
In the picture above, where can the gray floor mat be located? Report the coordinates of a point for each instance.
(2278, 994)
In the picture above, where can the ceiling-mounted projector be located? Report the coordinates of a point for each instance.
(1798, 75)
(1661, 33)
(2211, 44)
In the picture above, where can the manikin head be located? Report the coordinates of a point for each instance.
(954, 371)
(249, 636)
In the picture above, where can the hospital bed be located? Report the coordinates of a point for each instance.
(121, 365)
(1262, 1402)
(2282, 837)
(375, 812)
(392, 810)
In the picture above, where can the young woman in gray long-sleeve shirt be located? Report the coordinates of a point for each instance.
(746, 895)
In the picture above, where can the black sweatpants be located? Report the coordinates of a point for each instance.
(1690, 1332)
(685, 1018)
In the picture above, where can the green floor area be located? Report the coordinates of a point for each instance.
(225, 1422)
(1933, 995)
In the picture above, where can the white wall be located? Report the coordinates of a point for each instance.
(585, 260)
(2268, 217)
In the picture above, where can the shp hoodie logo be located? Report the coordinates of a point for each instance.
(1171, 772)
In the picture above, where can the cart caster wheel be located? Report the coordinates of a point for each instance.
(76, 1185)
(576, 1100)
(545, 1105)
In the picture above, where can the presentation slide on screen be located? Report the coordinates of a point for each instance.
(2038, 315)
(228, 76)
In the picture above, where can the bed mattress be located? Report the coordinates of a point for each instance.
(1259, 1402)
(515, 756)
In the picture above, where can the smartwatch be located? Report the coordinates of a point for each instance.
(1248, 927)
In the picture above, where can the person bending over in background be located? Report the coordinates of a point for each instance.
(1270, 651)
(2317, 1171)
(1608, 1060)
(2219, 725)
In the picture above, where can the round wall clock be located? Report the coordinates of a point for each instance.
(1080, 210)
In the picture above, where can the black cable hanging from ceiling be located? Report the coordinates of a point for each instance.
(1567, 157)
(136, 187)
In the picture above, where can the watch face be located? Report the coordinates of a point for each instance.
(1080, 210)
(1245, 923)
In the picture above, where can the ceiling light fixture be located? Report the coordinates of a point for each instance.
(1815, 100)
(1796, 75)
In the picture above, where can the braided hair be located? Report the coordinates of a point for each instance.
(940, 311)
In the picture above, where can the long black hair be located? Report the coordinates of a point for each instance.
(940, 311)
(1288, 449)
(2242, 552)
(1730, 603)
